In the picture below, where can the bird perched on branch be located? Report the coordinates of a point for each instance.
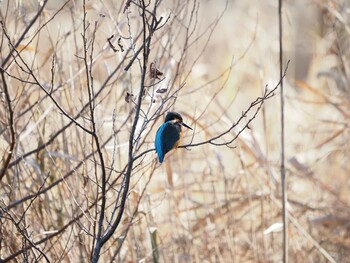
(169, 134)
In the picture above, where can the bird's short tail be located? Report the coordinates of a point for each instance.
(160, 157)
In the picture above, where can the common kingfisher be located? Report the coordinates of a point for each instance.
(169, 134)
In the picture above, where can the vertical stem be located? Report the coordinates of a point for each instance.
(11, 125)
(283, 171)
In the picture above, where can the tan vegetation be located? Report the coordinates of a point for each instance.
(80, 105)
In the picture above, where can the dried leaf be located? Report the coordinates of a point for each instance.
(128, 96)
(276, 227)
(120, 44)
(154, 72)
(161, 90)
(110, 43)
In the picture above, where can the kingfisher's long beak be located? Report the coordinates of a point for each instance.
(188, 127)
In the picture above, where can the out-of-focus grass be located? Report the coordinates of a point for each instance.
(206, 204)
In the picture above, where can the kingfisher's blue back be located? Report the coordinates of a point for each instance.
(169, 134)
(167, 137)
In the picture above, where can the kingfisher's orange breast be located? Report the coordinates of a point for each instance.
(179, 140)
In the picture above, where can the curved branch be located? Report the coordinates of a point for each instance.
(258, 102)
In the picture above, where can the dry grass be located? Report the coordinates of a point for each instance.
(205, 203)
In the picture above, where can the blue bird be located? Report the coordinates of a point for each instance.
(169, 134)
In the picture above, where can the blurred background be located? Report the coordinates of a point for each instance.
(206, 203)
